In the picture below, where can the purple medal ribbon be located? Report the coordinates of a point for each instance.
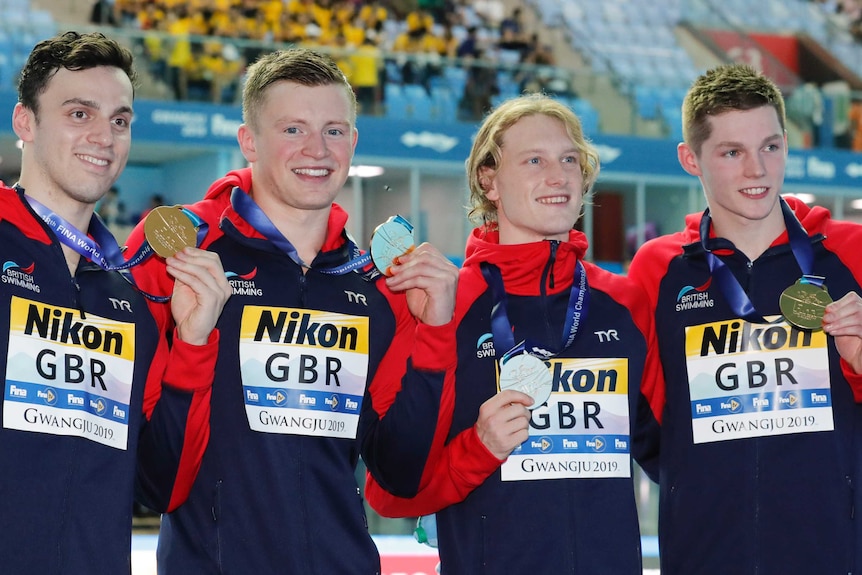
(576, 312)
(244, 205)
(101, 249)
(730, 287)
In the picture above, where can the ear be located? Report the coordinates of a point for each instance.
(245, 138)
(487, 180)
(23, 122)
(688, 159)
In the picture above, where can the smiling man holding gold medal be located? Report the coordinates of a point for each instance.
(755, 436)
(96, 408)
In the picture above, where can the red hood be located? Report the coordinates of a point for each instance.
(221, 189)
(16, 212)
(523, 264)
(232, 179)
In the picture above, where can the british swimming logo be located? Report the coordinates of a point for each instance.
(691, 297)
(243, 284)
(485, 346)
(14, 274)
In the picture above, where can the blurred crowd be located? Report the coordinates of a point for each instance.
(200, 48)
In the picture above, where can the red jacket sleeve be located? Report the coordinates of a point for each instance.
(463, 465)
(839, 239)
(449, 471)
(646, 269)
(409, 409)
(176, 398)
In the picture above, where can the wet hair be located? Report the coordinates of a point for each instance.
(300, 65)
(72, 51)
(726, 88)
(487, 148)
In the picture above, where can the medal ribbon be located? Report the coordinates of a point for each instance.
(729, 286)
(361, 260)
(245, 206)
(102, 249)
(576, 312)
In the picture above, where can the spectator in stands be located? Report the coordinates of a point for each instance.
(282, 472)
(213, 75)
(539, 71)
(480, 87)
(373, 14)
(367, 65)
(102, 13)
(548, 491)
(179, 60)
(414, 48)
(448, 42)
(514, 24)
(469, 46)
(746, 421)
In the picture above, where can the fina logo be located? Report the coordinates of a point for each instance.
(437, 142)
(733, 405)
(791, 399)
(598, 444)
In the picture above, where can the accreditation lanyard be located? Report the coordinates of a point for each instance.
(247, 208)
(731, 289)
(501, 328)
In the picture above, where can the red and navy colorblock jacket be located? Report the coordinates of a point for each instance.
(68, 476)
(271, 502)
(542, 525)
(781, 503)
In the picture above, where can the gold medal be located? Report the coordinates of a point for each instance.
(168, 230)
(803, 304)
(390, 240)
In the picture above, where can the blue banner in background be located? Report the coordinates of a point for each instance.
(206, 126)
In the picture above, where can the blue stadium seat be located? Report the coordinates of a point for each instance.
(396, 103)
(445, 104)
(419, 102)
(647, 102)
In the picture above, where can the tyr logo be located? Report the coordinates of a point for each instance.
(120, 304)
(356, 297)
(608, 335)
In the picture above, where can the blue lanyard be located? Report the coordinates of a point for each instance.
(740, 303)
(576, 312)
(247, 208)
(102, 249)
